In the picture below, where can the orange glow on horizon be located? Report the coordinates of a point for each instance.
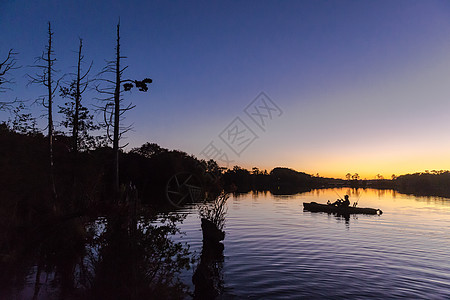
(365, 167)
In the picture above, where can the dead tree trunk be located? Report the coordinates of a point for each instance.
(77, 116)
(117, 116)
(50, 62)
(46, 78)
(115, 109)
(76, 125)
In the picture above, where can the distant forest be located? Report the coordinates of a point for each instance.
(24, 173)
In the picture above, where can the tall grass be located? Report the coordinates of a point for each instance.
(215, 211)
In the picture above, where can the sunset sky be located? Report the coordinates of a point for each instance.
(359, 86)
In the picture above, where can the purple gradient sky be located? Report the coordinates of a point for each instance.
(364, 85)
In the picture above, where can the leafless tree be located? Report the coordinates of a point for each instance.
(114, 107)
(45, 76)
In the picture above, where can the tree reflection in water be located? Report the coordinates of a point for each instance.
(208, 277)
(120, 256)
(137, 262)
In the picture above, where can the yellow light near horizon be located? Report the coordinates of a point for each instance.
(370, 168)
(366, 163)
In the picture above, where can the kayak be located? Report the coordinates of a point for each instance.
(317, 207)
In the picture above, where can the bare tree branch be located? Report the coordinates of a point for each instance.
(6, 66)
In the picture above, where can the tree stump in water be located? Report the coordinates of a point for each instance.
(211, 234)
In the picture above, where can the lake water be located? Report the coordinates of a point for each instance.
(272, 250)
(275, 250)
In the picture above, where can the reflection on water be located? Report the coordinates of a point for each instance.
(275, 250)
(208, 276)
(114, 257)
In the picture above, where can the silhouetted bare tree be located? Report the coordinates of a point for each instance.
(114, 109)
(45, 63)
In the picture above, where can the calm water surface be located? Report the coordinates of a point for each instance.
(275, 250)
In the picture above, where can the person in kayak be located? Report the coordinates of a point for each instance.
(341, 203)
(346, 202)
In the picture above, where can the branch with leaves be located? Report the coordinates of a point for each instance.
(22, 122)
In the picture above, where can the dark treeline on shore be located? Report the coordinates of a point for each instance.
(150, 167)
(434, 183)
